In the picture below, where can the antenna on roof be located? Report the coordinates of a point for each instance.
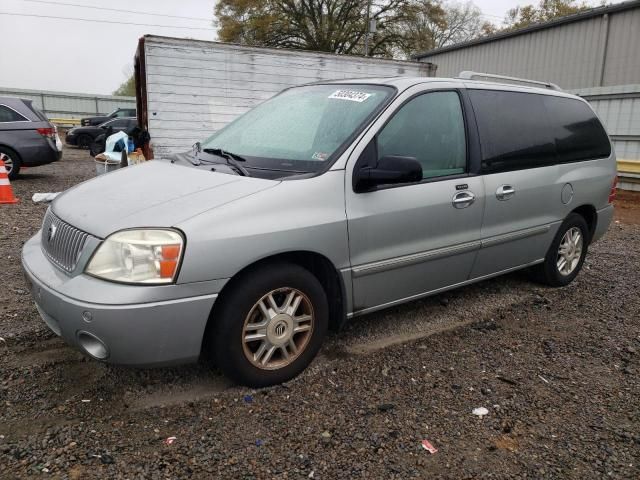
(468, 75)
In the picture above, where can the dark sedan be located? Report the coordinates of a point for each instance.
(83, 137)
(118, 113)
(27, 138)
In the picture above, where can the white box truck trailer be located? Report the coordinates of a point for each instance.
(188, 89)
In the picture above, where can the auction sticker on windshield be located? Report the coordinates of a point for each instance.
(350, 95)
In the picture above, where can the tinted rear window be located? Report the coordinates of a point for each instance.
(578, 133)
(526, 130)
(514, 130)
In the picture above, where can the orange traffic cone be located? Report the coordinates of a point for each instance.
(6, 192)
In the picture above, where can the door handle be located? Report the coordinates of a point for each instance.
(463, 199)
(505, 192)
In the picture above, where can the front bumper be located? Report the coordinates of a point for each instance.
(100, 319)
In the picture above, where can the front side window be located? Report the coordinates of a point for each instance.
(429, 128)
(301, 129)
(9, 115)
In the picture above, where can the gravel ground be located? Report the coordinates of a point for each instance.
(557, 370)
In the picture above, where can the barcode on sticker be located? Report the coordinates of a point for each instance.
(350, 95)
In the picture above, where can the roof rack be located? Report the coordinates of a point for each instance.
(468, 75)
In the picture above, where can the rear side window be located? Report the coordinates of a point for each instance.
(514, 130)
(578, 133)
(9, 115)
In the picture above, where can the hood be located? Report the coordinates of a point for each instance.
(155, 194)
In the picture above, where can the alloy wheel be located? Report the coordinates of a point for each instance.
(278, 328)
(569, 251)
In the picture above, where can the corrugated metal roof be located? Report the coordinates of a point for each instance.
(587, 14)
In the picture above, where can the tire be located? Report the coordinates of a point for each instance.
(85, 141)
(12, 162)
(240, 309)
(549, 272)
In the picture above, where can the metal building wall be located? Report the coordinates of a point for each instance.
(70, 105)
(597, 51)
(623, 49)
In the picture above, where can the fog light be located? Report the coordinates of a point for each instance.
(93, 345)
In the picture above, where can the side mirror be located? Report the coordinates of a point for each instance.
(390, 169)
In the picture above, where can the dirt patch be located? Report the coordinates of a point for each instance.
(627, 207)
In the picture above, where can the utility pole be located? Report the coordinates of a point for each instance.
(366, 35)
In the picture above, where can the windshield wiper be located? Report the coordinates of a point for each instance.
(231, 158)
(223, 153)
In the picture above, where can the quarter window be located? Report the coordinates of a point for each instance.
(429, 128)
(514, 130)
(9, 115)
(578, 133)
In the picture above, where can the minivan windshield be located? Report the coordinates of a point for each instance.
(301, 129)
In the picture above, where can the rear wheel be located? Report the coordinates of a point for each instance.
(11, 161)
(566, 254)
(270, 325)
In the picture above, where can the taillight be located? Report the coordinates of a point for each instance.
(49, 132)
(612, 193)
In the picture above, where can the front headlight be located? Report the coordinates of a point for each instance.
(148, 256)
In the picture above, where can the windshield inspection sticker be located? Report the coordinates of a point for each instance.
(320, 156)
(350, 95)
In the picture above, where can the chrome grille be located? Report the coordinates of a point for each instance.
(61, 242)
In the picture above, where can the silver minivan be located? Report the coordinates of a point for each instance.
(326, 202)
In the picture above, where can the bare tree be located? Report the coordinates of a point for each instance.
(462, 22)
(428, 25)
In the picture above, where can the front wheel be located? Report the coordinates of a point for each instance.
(270, 325)
(566, 254)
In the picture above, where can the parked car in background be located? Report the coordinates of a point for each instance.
(27, 138)
(118, 113)
(83, 137)
(326, 202)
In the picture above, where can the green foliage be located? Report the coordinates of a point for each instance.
(546, 10)
(127, 88)
(339, 26)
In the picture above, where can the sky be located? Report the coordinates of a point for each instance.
(89, 57)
